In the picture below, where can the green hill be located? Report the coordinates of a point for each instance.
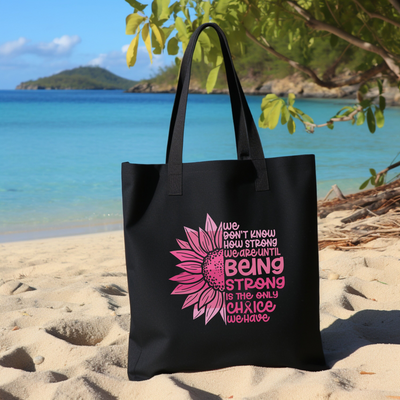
(92, 78)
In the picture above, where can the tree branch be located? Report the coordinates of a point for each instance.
(293, 63)
(377, 16)
(378, 175)
(376, 37)
(333, 15)
(322, 26)
(354, 80)
(330, 72)
(311, 127)
(395, 4)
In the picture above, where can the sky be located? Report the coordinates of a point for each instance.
(43, 37)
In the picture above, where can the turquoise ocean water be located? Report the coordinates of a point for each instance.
(61, 151)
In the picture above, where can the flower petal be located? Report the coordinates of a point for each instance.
(205, 241)
(211, 228)
(218, 237)
(187, 255)
(191, 266)
(206, 297)
(214, 307)
(183, 245)
(193, 298)
(223, 308)
(186, 277)
(193, 238)
(197, 312)
(187, 289)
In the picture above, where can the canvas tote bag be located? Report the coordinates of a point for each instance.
(222, 256)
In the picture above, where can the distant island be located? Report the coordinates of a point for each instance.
(82, 78)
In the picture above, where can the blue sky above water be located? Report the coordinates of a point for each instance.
(44, 37)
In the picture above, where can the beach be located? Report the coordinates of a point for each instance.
(64, 325)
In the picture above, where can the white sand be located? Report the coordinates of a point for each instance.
(65, 300)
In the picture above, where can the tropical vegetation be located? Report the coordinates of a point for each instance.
(92, 78)
(363, 34)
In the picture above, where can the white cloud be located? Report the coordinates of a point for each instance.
(110, 59)
(13, 47)
(62, 46)
(58, 46)
(118, 59)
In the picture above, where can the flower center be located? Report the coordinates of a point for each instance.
(213, 269)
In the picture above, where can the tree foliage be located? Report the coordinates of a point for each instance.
(293, 32)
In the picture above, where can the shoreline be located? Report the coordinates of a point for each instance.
(47, 231)
(59, 231)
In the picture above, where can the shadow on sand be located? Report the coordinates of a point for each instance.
(364, 328)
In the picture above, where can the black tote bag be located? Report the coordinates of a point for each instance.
(222, 256)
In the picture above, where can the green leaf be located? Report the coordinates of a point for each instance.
(159, 35)
(330, 126)
(267, 100)
(213, 75)
(164, 9)
(305, 117)
(364, 184)
(136, 5)
(147, 40)
(197, 52)
(371, 121)
(221, 7)
(382, 103)
(131, 54)
(261, 123)
(205, 42)
(364, 89)
(348, 108)
(172, 46)
(285, 115)
(167, 31)
(206, 7)
(132, 23)
(154, 43)
(294, 113)
(372, 172)
(291, 126)
(291, 97)
(271, 96)
(348, 112)
(185, 10)
(274, 114)
(183, 35)
(266, 111)
(360, 117)
(365, 103)
(379, 82)
(380, 119)
(333, 40)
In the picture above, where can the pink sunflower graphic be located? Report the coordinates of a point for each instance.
(203, 279)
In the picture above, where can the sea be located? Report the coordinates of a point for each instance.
(61, 151)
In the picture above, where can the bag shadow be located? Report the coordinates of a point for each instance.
(366, 327)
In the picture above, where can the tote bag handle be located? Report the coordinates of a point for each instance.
(248, 142)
